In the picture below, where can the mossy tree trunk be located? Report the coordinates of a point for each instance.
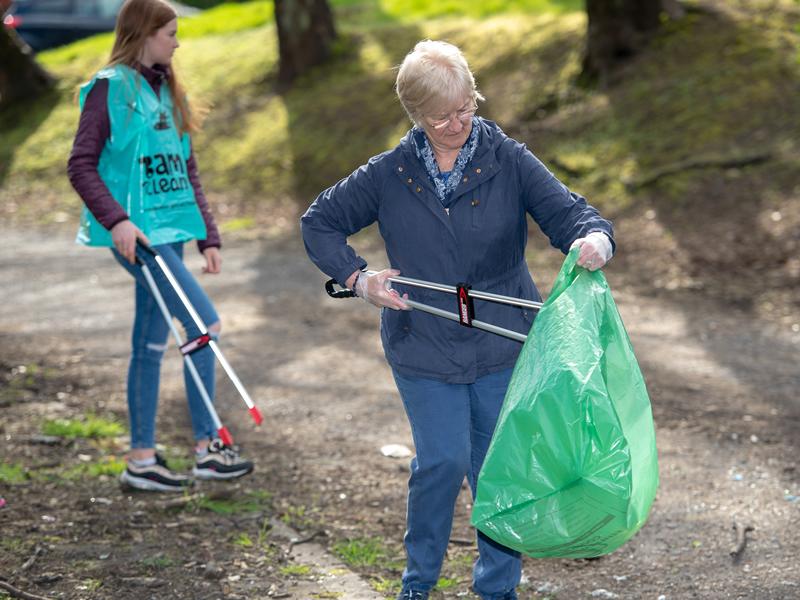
(618, 29)
(305, 34)
(21, 78)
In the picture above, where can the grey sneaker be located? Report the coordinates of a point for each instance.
(155, 478)
(221, 462)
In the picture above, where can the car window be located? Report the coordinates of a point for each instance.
(108, 8)
(30, 7)
(86, 8)
(98, 8)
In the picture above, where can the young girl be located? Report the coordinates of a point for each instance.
(133, 166)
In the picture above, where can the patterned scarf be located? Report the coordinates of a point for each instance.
(445, 183)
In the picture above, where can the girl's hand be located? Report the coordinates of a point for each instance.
(124, 235)
(213, 260)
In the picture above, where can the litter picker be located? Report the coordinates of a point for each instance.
(192, 346)
(464, 298)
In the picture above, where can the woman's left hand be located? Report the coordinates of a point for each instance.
(213, 260)
(596, 250)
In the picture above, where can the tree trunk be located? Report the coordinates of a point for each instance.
(618, 29)
(21, 78)
(305, 35)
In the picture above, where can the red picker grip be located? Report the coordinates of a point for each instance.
(225, 436)
(254, 412)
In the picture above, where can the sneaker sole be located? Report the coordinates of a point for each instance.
(148, 485)
(208, 474)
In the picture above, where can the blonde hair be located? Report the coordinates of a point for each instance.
(434, 76)
(138, 20)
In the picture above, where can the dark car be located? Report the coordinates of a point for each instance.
(49, 23)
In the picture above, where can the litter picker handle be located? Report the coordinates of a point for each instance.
(144, 246)
(513, 335)
(452, 289)
(439, 287)
(501, 331)
(330, 287)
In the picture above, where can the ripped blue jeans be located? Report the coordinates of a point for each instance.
(149, 342)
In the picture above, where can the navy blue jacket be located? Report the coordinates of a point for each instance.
(480, 241)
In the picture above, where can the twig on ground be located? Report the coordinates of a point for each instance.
(29, 563)
(178, 502)
(303, 540)
(17, 593)
(741, 541)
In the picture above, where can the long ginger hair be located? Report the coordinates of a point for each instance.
(138, 20)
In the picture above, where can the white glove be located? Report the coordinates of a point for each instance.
(596, 250)
(375, 290)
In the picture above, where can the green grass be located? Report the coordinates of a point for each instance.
(361, 552)
(22, 381)
(446, 583)
(11, 474)
(109, 466)
(296, 570)
(390, 587)
(89, 585)
(257, 144)
(714, 83)
(159, 561)
(90, 426)
(243, 540)
(299, 517)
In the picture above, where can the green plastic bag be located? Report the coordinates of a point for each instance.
(572, 468)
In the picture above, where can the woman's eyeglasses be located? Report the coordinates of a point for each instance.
(462, 115)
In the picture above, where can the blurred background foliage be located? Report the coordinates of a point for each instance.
(701, 129)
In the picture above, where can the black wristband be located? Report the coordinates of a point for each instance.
(355, 281)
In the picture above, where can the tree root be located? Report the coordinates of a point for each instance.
(17, 593)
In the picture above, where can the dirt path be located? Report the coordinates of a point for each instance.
(723, 388)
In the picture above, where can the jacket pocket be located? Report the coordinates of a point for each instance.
(396, 325)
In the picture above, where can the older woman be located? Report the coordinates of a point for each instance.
(451, 201)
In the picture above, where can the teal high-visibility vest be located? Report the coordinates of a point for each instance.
(143, 163)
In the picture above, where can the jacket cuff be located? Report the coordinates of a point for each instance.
(359, 265)
(118, 219)
(203, 244)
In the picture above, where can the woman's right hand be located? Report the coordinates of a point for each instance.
(375, 289)
(124, 235)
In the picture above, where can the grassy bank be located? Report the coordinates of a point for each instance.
(701, 128)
